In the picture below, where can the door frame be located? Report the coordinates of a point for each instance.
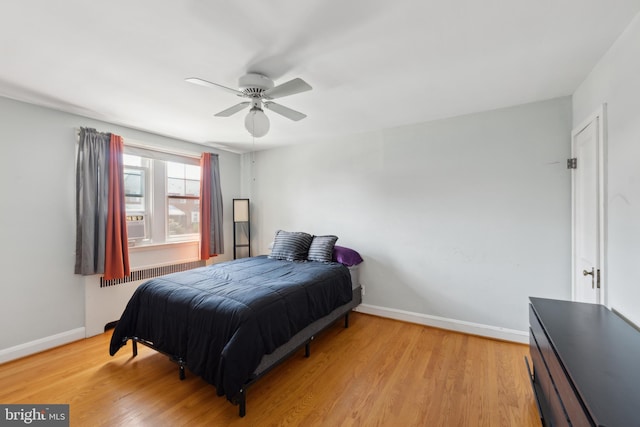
(599, 116)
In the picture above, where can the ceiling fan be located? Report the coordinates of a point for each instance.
(260, 90)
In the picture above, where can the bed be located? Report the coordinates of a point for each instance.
(232, 322)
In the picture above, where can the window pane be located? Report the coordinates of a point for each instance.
(183, 217)
(133, 182)
(175, 170)
(192, 188)
(134, 204)
(135, 188)
(192, 172)
(175, 187)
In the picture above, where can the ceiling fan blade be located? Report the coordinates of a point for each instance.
(285, 111)
(205, 83)
(232, 110)
(285, 89)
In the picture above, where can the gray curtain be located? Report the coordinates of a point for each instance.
(92, 190)
(216, 239)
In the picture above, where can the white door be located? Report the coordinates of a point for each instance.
(587, 147)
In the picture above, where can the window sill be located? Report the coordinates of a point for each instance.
(165, 245)
(153, 255)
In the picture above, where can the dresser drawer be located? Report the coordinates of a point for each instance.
(538, 332)
(554, 413)
(570, 401)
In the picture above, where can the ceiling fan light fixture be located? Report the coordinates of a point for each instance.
(257, 122)
(261, 91)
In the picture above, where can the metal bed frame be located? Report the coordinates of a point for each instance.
(269, 361)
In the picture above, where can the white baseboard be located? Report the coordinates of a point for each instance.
(494, 332)
(41, 344)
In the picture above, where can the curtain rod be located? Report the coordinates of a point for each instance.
(138, 144)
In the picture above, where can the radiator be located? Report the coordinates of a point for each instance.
(148, 273)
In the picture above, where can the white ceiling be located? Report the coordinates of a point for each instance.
(373, 64)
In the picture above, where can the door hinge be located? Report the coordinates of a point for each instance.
(572, 163)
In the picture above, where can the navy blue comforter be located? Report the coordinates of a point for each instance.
(222, 319)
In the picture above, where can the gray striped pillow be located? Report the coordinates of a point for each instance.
(321, 248)
(291, 245)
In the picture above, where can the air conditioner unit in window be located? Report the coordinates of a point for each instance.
(136, 227)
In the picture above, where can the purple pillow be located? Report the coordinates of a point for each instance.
(346, 256)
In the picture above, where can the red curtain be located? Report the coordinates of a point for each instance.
(116, 264)
(205, 206)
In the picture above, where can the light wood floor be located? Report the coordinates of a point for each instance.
(378, 372)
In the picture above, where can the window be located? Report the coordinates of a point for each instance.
(183, 200)
(136, 172)
(162, 196)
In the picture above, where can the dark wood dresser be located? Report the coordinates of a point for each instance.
(586, 365)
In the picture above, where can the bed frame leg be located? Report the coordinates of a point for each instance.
(242, 402)
(134, 344)
(181, 366)
(307, 349)
(346, 320)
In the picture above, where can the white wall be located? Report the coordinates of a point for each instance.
(616, 81)
(41, 300)
(459, 219)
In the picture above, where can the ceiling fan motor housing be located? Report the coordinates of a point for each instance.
(253, 84)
